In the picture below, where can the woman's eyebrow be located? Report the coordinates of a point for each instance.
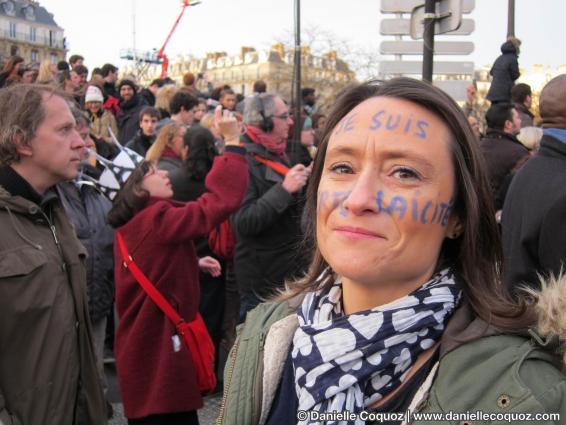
(342, 150)
(407, 154)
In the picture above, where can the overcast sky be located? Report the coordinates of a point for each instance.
(98, 30)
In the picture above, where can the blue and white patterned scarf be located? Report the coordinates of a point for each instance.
(347, 363)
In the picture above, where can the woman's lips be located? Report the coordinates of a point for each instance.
(357, 233)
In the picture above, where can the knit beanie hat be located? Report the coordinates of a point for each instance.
(127, 83)
(553, 103)
(93, 94)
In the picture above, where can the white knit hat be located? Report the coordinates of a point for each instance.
(93, 94)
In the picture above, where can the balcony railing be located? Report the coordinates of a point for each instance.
(39, 40)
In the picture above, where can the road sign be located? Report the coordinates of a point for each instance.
(448, 18)
(402, 47)
(456, 89)
(407, 6)
(399, 26)
(416, 68)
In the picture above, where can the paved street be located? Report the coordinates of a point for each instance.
(207, 415)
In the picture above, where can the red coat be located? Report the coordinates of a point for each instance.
(153, 378)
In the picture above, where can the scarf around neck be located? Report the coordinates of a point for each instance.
(266, 140)
(348, 362)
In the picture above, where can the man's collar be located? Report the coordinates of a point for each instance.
(557, 133)
(17, 185)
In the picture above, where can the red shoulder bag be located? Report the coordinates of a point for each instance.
(194, 333)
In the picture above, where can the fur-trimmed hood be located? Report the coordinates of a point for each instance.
(550, 308)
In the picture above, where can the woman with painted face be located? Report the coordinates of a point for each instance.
(402, 307)
(157, 379)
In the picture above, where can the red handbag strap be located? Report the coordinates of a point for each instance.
(146, 284)
(276, 166)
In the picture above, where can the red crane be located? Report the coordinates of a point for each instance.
(161, 52)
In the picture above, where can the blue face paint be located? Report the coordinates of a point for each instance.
(375, 119)
(399, 204)
(421, 125)
(392, 124)
(338, 202)
(425, 212)
(380, 206)
(346, 125)
(322, 197)
(395, 121)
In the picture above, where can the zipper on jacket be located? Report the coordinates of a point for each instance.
(257, 393)
(55, 238)
(220, 419)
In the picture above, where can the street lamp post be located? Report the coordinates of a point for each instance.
(297, 88)
(428, 39)
(511, 19)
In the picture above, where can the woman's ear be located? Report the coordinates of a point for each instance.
(454, 228)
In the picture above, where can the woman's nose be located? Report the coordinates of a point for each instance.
(362, 197)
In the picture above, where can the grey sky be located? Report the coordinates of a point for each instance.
(98, 30)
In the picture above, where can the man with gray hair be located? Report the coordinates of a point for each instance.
(533, 220)
(267, 225)
(47, 368)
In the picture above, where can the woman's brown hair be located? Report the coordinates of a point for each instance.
(476, 255)
(164, 139)
(131, 198)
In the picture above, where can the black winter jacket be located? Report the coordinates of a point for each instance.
(267, 228)
(505, 71)
(502, 151)
(534, 217)
(129, 118)
(87, 208)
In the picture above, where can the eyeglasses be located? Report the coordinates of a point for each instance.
(284, 116)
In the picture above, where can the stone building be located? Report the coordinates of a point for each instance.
(326, 73)
(29, 30)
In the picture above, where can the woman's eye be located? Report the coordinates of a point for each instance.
(405, 173)
(341, 168)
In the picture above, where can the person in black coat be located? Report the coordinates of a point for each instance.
(501, 149)
(267, 225)
(131, 104)
(87, 208)
(533, 219)
(145, 135)
(188, 185)
(505, 71)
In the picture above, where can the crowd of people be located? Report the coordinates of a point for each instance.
(405, 253)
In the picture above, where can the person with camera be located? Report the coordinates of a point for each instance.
(267, 225)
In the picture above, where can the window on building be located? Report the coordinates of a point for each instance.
(9, 8)
(54, 58)
(12, 30)
(51, 39)
(32, 33)
(14, 50)
(29, 13)
(34, 56)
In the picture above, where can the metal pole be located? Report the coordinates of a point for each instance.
(428, 39)
(298, 98)
(511, 19)
(134, 30)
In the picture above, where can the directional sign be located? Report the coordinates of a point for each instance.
(448, 14)
(403, 27)
(416, 68)
(401, 47)
(407, 6)
(456, 89)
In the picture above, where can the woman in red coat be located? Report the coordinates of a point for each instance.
(158, 385)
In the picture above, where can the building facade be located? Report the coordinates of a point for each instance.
(326, 73)
(29, 30)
